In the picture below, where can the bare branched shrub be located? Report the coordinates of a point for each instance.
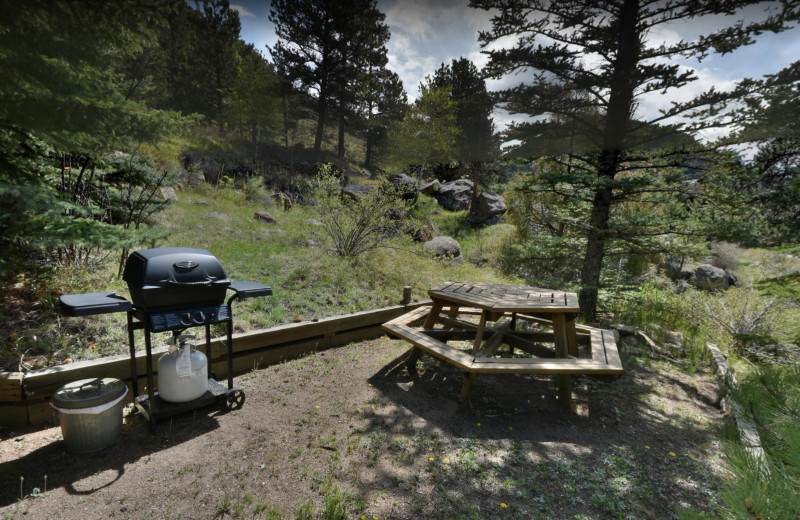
(726, 255)
(359, 224)
(744, 316)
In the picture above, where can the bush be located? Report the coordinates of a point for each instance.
(726, 256)
(357, 225)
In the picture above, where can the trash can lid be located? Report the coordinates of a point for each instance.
(88, 392)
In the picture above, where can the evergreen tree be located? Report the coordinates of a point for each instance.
(325, 45)
(63, 92)
(591, 62)
(475, 142)
(385, 103)
(254, 99)
(428, 131)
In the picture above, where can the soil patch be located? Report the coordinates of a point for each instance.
(348, 433)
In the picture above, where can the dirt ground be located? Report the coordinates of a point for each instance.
(348, 433)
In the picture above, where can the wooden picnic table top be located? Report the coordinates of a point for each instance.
(498, 297)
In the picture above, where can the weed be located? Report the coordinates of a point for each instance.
(304, 512)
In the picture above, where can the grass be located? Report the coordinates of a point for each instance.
(308, 281)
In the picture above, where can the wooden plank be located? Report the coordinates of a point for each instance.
(494, 341)
(598, 348)
(298, 331)
(539, 366)
(11, 387)
(476, 345)
(612, 354)
(44, 382)
(437, 348)
(40, 412)
(13, 414)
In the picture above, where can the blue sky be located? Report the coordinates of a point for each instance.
(427, 33)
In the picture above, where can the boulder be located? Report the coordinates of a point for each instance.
(487, 207)
(263, 216)
(444, 247)
(356, 191)
(407, 185)
(455, 195)
(674, 270)
(167, 193)
(431, 187)
(709, 278)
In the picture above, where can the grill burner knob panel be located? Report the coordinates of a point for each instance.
(179, 319)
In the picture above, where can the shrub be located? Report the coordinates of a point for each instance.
(726, 256)
(360, 224)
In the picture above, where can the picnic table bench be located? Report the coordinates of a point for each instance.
(506, 305)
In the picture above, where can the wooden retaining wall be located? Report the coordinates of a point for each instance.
(24, 398)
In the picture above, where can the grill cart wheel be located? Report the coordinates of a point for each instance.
(234, 400)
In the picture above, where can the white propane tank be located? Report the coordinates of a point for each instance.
(182, 373)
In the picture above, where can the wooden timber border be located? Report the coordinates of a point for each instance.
(24, 396)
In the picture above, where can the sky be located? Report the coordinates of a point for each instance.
(427, 33)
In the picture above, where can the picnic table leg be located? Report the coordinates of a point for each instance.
(413, 357)
(479, 333)
(561, 331)
(572, 337)
(560, 335)
(430, 321)
(469, 377)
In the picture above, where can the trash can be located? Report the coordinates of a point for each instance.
(90, 413)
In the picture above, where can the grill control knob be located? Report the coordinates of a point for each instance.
(186, 319)
(199, 317)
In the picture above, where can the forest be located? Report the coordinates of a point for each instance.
(105, 107)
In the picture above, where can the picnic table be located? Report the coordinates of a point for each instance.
(506, 305)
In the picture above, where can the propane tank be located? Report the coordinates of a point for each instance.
(182, 372)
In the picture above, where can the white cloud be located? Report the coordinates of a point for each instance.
(242, 10)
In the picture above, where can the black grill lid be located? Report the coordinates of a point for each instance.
(169, 277)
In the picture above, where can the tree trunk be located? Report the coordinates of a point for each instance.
(322, 108)
(595, 251)
(286, 119)
(618, 115)
(340, 149)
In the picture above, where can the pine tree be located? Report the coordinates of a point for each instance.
(590, 63)
(324, 46)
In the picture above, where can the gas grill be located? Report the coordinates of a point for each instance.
(173, 289)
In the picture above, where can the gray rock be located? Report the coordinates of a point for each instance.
(487, 206)
(402, 178)
(356, 191)
(274, 232)
(263, 216)
(709, 278)
(431, 187)
(444, 247)
(455, 195)
(313, 222)
(313, 243)
(624, 330)
(167, 193)
(199, 202)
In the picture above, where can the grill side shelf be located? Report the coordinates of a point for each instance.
(247, 289)
(91, 304)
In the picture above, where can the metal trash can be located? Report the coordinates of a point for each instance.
(90, 413)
